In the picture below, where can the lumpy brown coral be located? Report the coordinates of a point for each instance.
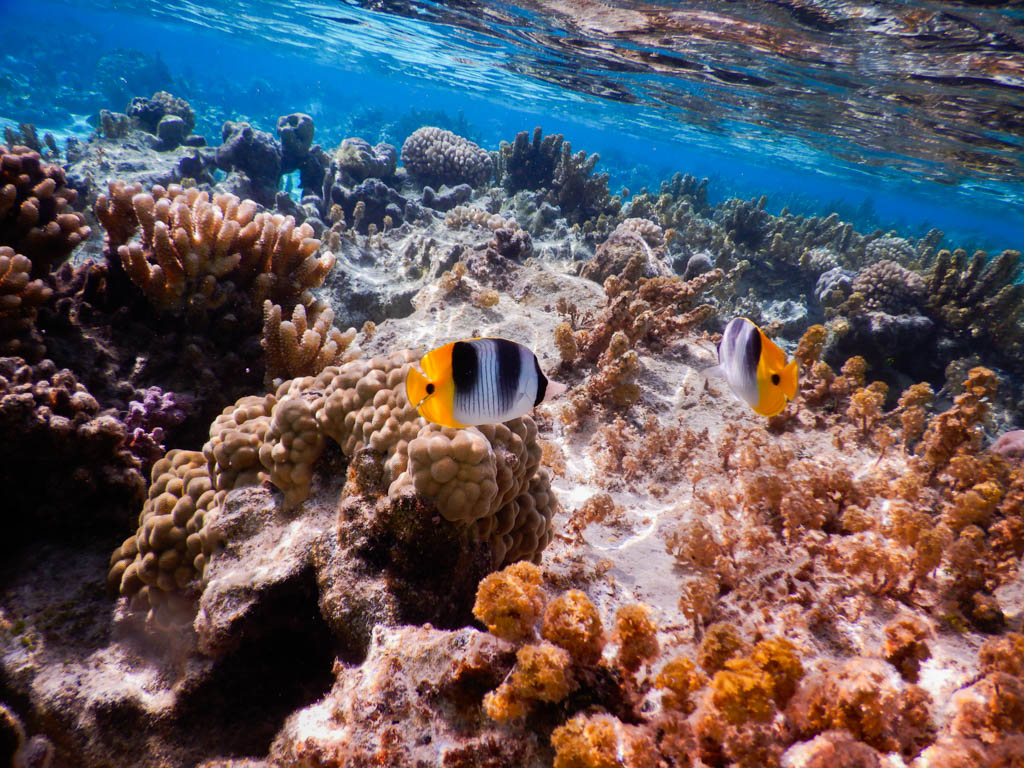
(36, 218)
(487, 481)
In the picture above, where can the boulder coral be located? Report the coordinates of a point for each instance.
(435, 156)
(486, 481)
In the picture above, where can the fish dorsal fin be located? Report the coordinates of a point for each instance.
(772, 357)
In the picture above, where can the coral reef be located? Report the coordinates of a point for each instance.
(635, 249)
(435, 156)
(980, 300)
(485, 480)
(20, 297)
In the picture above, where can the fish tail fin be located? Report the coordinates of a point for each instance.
(415, 386)
(789, 379)
(553, 390)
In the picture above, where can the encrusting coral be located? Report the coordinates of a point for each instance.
(36, 218)
(486, 480)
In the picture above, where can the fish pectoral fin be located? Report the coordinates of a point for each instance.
(554, 389)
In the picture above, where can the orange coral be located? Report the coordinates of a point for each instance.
(542, 673)
(571, 621)
(637, 636)
(510, 602)
(721, 642)
(679, 679)
(905, 646)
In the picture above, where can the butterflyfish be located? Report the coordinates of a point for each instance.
(478, 381)
(755, 368)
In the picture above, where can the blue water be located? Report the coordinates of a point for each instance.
(356, 70)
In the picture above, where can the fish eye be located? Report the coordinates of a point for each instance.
(430, 388)
(775, 378)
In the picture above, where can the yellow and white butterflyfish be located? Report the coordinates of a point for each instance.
(755, 368)
(478, 381)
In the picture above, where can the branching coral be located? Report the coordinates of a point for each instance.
(981, 300)
(305, 344)
(528, 163)
(36, 219)
(194, 254)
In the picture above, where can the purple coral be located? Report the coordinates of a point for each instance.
(149, 418)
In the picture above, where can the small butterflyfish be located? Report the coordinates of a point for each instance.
(478, 381)
(755, 368)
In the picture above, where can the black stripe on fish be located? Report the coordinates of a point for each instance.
(542, 383)
(752, 350)
(465, 368)
(510, 365)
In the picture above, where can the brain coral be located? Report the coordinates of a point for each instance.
(35, 209)
(435, 156)
(486, 479)
(889, 287)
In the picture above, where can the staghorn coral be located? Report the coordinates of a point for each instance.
(305, 344)
(528, 162)
(435, 156)
(36, 219)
